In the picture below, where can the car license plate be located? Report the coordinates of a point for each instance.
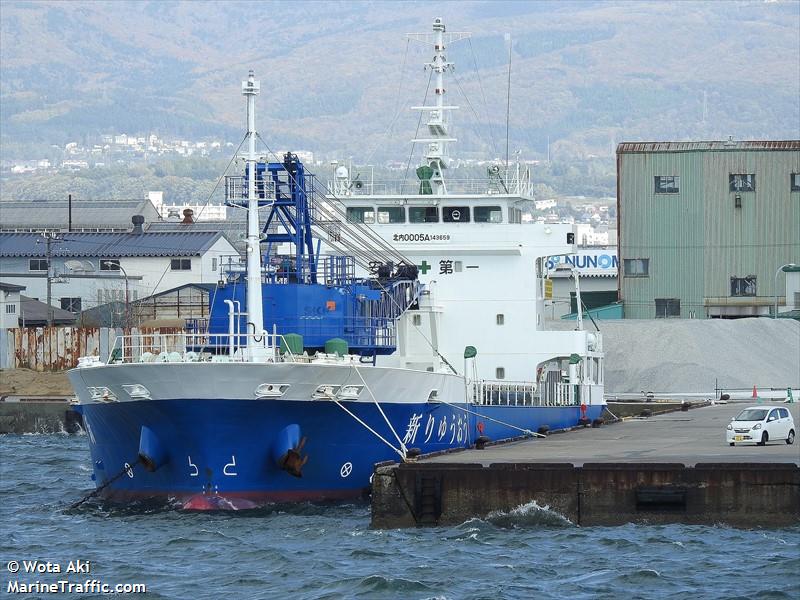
(738, 438)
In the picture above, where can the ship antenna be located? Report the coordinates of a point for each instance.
(508, 99)
(438, 121)
(255, 315)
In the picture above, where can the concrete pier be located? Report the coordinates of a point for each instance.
(668, 468)
(38, 414)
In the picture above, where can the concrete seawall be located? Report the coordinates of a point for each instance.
(32, 414)
(665, 469)
(744, 495)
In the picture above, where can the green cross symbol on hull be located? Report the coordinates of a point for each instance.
(424, 267)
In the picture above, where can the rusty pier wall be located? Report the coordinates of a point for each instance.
(738, 494)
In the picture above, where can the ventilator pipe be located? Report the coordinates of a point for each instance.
(230, 325)
(238, 325)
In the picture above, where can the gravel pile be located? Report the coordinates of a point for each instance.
(687, 355)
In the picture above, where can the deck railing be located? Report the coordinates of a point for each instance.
(522, 393)
(198, 347)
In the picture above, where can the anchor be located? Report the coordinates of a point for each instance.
(292, 462)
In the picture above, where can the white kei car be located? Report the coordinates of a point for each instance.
(761, 424)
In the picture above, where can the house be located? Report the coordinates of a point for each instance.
(88, 269)
(35, 314)
(9, 305)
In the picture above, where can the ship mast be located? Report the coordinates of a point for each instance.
(255, 316)
(436, 156)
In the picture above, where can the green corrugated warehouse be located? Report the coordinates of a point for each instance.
(705, 226)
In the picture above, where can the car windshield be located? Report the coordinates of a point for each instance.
(752, 414)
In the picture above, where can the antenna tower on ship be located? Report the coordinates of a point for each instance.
(432, 173)
(255, 315)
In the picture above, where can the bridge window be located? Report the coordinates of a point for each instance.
(360, 214)
(500, 373)
(423, 214)
(488, 214)
(501, 319)
(391, 214)
(455, 214)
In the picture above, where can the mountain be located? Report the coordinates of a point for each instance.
(338, 77)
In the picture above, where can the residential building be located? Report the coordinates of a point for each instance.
(10, 305)
(87, 269)
(704, 226)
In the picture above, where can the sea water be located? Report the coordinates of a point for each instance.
(312, 551)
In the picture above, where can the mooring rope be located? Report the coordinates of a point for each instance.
(525, 431)
(380, 409)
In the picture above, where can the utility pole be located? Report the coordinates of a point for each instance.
(49, 238)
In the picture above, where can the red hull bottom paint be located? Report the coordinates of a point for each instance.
(231, 500)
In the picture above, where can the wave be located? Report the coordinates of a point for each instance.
(531, 514)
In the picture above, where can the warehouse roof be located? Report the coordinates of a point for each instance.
(718, 146)
(34, 313)
(10, 287)
(111, 245)
(86, 214)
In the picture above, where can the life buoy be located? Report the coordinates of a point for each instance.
(481, 427)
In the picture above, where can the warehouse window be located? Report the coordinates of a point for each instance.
(181, 264)
(109, 264)
(11, 309)
(636, 267)
(743, 286)
(742, 182)
(794, 182)
(37, 264)
(668, 307)
(73, 305)
(667, 184)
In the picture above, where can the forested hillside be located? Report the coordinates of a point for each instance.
(338, 77)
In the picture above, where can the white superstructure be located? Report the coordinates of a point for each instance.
(483, 268)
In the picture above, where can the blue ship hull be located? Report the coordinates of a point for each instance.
(216, 454)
